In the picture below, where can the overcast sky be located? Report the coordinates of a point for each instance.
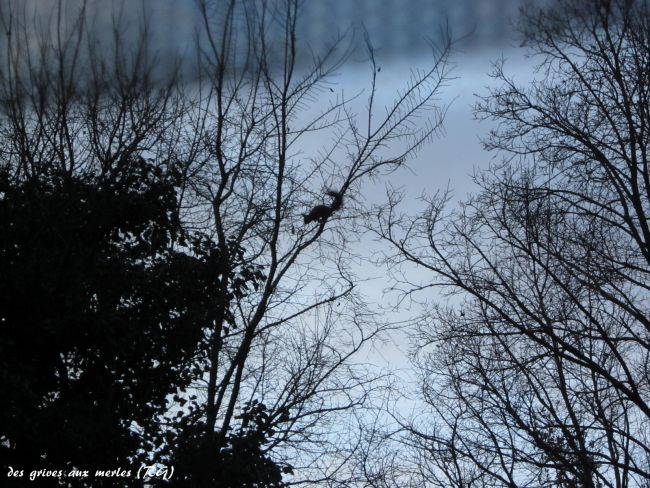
(399, 30)
(450, 160)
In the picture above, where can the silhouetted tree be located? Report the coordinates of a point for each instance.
(537, 372)
(263, 153)
(104, 292)
(101, 312)
(252, 316)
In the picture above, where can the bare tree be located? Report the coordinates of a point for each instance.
(261, 137)
(537, 371)
(282, 216)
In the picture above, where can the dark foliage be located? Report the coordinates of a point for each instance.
(132, 331)
(101, 308)
(239, 460)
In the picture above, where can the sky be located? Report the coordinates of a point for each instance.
(399, 31)
(451, 158)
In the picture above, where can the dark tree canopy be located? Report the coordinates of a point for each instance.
(161, 298)
(239, 460)
(102, 308)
